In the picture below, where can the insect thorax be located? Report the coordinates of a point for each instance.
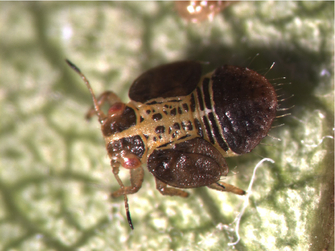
(161, 123)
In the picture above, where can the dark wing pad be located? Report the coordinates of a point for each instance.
(193, 163)
(169, 80)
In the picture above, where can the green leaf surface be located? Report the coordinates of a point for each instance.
(55, 177)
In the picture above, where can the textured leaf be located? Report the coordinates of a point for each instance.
(55, 177)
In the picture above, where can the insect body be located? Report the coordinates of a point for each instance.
(182, 125)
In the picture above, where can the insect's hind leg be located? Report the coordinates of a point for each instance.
(107, 96)
(164, 190)
(224, 187)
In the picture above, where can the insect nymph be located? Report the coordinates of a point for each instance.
(182, 125)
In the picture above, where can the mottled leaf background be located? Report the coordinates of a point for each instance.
(55, 177)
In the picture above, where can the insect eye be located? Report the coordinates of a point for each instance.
(116, 109)
(130, 161)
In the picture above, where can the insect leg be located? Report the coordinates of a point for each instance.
(116, 170)
(224, 187)
(107, 96)
(164, 190)
(136, 179)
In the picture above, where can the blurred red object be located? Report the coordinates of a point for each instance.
(197, 11)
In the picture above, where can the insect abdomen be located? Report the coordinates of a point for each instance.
(236, 107)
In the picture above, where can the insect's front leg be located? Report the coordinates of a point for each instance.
(136, 179)
(107, 96)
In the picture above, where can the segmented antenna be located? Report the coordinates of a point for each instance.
(101, 116)
(99, 113)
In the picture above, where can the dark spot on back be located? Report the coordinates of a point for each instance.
(192, 103)
(179, 110)
(198, 126)
(160, 129)
(185, 107)
(176, 126)
(157, 116)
